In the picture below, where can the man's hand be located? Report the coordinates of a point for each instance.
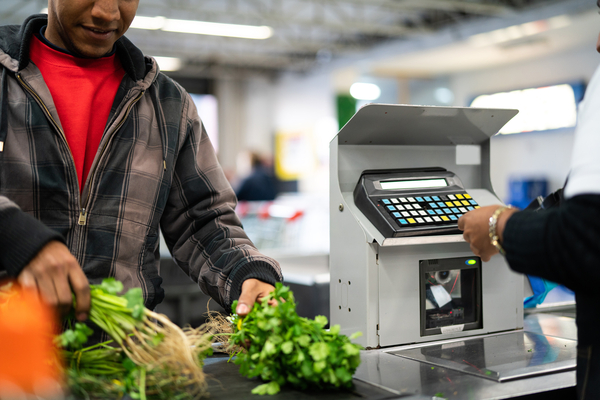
(252, 291)
(54, 273)
(476, 229)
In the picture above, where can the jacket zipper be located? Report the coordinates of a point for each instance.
(83, 212)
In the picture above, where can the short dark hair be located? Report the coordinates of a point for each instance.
(598, 3)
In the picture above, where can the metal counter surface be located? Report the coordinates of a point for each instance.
(407, 376)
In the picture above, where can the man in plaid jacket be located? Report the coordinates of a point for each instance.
(98, 150)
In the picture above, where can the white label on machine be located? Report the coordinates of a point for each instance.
(452, 328)
(441, 295)
(452, 345)
(468, 155)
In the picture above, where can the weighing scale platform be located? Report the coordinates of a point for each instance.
(498, 366)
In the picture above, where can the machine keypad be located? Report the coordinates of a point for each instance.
(429, 210)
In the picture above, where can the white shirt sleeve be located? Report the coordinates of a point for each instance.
(584, 177)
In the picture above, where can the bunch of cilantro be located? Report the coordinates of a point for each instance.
(283, 348)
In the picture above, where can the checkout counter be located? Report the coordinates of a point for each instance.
(436, 320)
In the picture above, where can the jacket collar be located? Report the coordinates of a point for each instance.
(14, 41)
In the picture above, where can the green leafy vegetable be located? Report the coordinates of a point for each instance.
(286, 349)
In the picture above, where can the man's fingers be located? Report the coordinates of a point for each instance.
(252, 290)
(27, 280)
(81, 288)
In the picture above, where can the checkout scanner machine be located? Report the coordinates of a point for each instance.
(401, 272)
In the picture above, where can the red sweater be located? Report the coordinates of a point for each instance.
(83, 91)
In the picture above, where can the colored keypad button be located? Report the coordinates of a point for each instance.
(455, 210)
(447, 211)
(435, 198)
(420, 199)
(431, 212)
(459, 215)
(473, 202)
(427, 198)
(458, 204)
(465, 203)
(453, 217)
(439, 212)
(470, 208)
(403, 222)
(467, 196)
(460, 196)
(396, 214)
(391, 208)
(444, 218)
(432, 205)
(411, 221)
(450, 204)
(441, 204)
(477, 207)
(386, 201)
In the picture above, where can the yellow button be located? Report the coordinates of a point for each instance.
(411, 221)
(477, 207)
(449, 204)
(457, 203)
(459, 196)
(467, 196)
(444, 218)
(466, 203)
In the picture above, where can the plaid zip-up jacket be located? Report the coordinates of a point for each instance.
(155, 168)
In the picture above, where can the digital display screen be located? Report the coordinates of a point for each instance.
(413, 184)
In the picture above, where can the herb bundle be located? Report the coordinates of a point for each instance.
(153, 357)
(283, 348)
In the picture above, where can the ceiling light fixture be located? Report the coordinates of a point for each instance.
(168, 63)
(365, 91)
(202, 28)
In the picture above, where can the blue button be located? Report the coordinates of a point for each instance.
(447, 211)
(427, 198)
(403, 221)
(391, 208)
(453, 217)
(440, 212)
(455, 210)
(441, 205)
(432, 205)
(397, 214)
(435, 198)
(386, 201)
(419, 199)
(470, 208)
(473, 202)
(431, 212)
(459, 215)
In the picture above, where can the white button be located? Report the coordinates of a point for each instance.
(395, 201)
(409, 207)
(451, 197)
(400, 207)
(428, 219)
(411, 199)
(402, 199)
(420, 220)
(462, 210)
(437, 219)
(422, 212)
(414, 213)
(416, 206)
(406, 213)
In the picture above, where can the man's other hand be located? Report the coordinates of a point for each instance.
(55, 273)
(252, 291)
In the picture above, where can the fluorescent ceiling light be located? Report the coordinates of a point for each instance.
(365, 91)
(519, 31)
(168, 63)
(202, 28)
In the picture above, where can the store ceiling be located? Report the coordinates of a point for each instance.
(307, 33)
